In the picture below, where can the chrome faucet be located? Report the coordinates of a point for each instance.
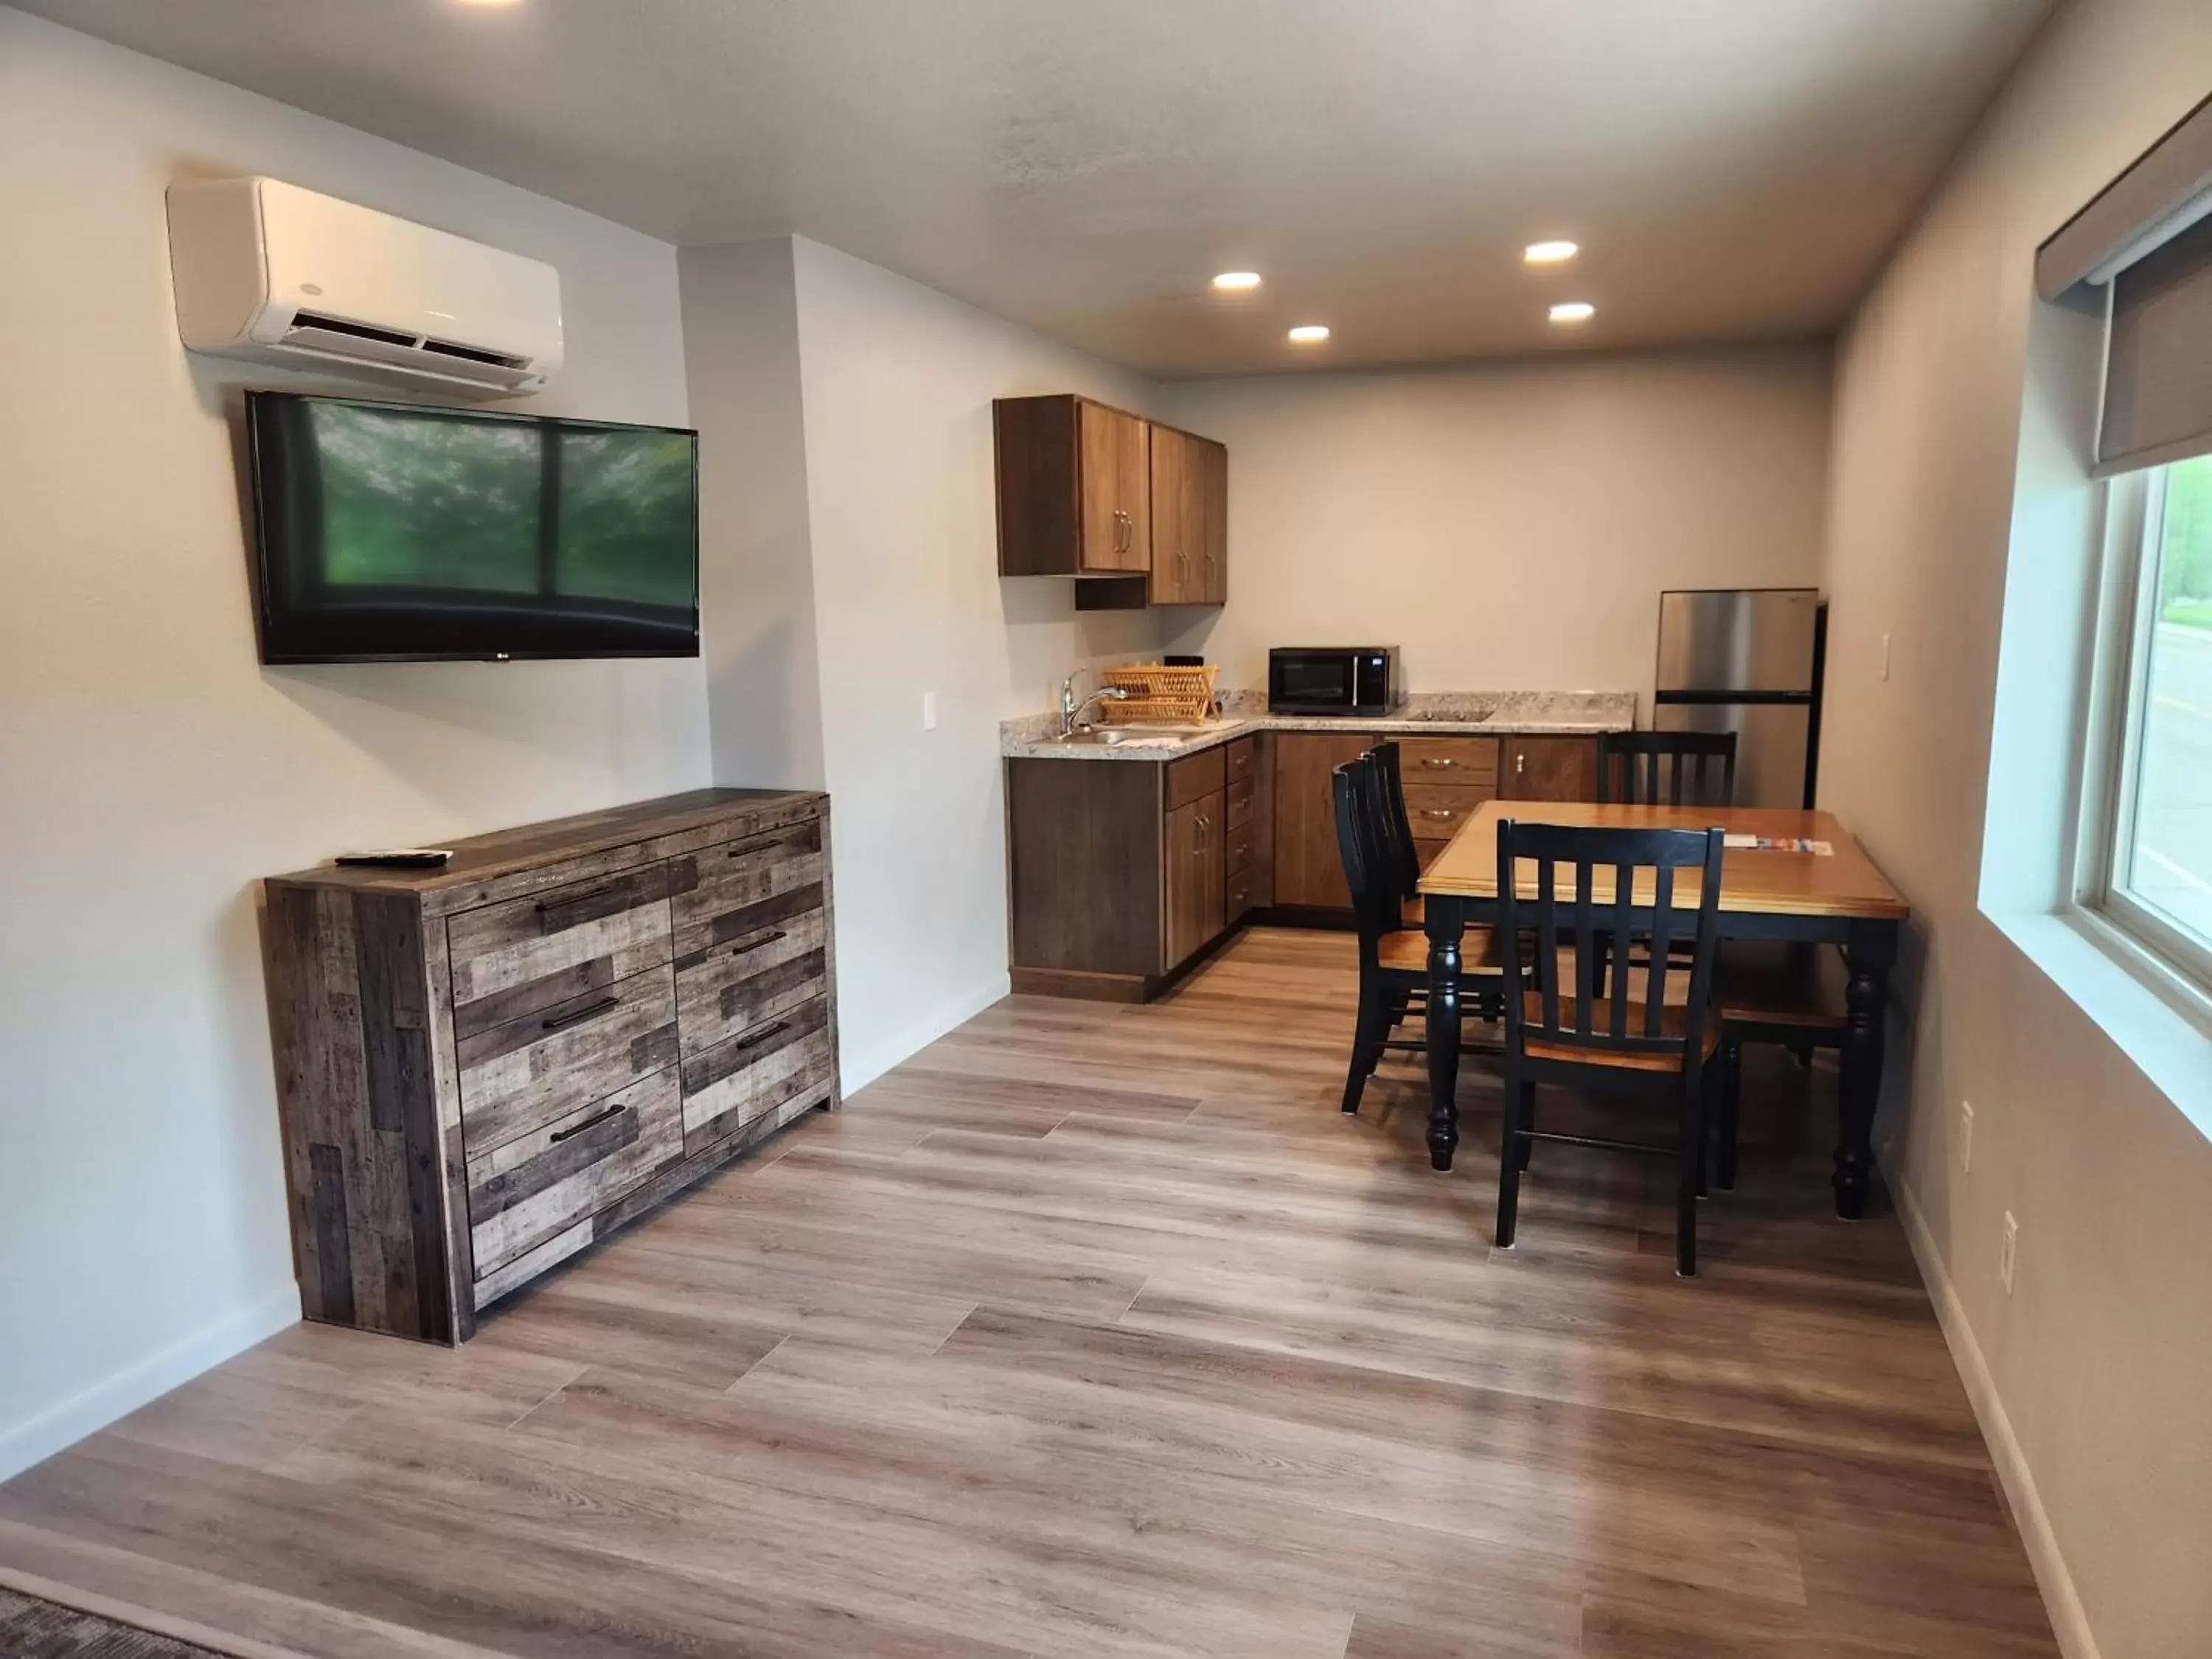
(1071, 707)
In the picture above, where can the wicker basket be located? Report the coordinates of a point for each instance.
(1158, 697)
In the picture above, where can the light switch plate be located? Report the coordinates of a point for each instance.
(929, 711)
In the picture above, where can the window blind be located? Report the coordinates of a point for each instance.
(2143, 248)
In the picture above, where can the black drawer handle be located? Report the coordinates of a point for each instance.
(590, 1122)
(577, 1016)
(766, 936)
(575, 899)
(759, 1038)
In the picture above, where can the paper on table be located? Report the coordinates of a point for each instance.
(1750, 843)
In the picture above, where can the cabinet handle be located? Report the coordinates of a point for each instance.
(759, 1038)
(547, 905)
(590, 1122)
(745, 848)
(1440, 764)
(766, 936)
(1520, 765)
(578, 1016)
(1437, 812)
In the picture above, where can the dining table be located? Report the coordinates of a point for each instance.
(1788, 875)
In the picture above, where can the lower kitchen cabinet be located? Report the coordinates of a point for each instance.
(1548, 768)
(1121, 871)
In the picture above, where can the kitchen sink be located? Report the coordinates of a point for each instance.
(1462, 717)
(1112, 736)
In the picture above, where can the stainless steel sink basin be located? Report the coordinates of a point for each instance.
(1466, 717)
(1112, 737)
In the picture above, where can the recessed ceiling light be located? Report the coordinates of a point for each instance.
(1548, 254)
(1232, 281)
(1573, 311)
(487, 2)
(1309, 333)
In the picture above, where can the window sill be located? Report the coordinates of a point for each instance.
(2082, 954)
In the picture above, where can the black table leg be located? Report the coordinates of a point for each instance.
(1872, 948)
(1446, 921)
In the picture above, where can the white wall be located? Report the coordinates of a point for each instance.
(1511, 525)
(150, 771)
(898, 384)
(2091, 1375)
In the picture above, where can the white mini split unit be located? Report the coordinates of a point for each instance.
(270, 272)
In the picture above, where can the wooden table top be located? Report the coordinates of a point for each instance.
(1841, 883)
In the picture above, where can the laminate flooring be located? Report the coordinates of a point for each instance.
(1098, 1331)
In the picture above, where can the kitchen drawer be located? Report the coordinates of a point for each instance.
(531, 952)
(1465, 762)
(1239, 849)
(722, 991)
(724, 892)
(1239, 894)
(734, 1082)
(526, 1073)
(1195, 777)
(1436, 812)
(1237, 806)
(524, 1191)
(1243, 757)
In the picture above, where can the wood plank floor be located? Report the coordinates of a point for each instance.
(1098, 1331)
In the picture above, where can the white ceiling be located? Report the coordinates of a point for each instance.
(1734, 169)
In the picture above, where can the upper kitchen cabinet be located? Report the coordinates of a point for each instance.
(1075, 491)
(1190, 520)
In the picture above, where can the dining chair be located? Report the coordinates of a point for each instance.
(1394, 959)
(1769, 992)
(1612, 1040)
(1666, 769)
(1389, 782)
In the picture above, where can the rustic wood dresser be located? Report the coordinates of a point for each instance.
(483, 1068)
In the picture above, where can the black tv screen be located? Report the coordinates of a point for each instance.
(388, 532)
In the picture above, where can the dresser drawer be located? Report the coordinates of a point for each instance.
(532, 952)
(724, 991)
(734, 1082)
(1437, 813)
(1464, 762)
(526, 1073)
(724, 893)
(538, 1183)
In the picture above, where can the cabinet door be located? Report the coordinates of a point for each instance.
(1212, 866)
(1210, 462)
(1548, 768)
(1308, 870)
(1184, 849)
(1115, 465)
(1175, 483)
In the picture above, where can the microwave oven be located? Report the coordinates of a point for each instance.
(1334, 679)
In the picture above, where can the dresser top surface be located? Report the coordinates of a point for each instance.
(478, 858)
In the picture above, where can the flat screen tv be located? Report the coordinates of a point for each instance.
(385, 533)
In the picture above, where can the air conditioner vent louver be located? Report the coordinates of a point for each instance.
(316, 320)
(473, 354)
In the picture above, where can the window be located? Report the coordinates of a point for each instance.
(2152, 872)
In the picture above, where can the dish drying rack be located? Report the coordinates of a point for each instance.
(1158, 695)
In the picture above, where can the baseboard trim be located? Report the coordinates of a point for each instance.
(68, 1421)
(858, 1067)
(2069, 1622)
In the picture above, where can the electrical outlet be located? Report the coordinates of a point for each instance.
(929, 711)
(1966, 1136)
(2008, 1251)
(1885, 656)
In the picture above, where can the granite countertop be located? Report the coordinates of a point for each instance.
(1432, 714)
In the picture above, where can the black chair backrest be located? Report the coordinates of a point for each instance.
(1666, 769)
(1389, 780)
(1369, 870)
(1597, 923)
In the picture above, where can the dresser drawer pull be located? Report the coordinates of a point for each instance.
(574, 899)
(1439, 761)
(745, 848)
(577, 1016)
(766, 936)
(759, 1038)
(590, 1122)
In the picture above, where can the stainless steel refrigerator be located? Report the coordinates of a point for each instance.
(1748, 660)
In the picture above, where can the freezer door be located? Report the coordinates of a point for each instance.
(1770, 744)
(1743, 640)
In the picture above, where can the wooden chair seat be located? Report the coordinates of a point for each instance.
(1672, 1024)
(1762, 991)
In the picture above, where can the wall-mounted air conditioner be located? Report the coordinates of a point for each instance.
(271, 272)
